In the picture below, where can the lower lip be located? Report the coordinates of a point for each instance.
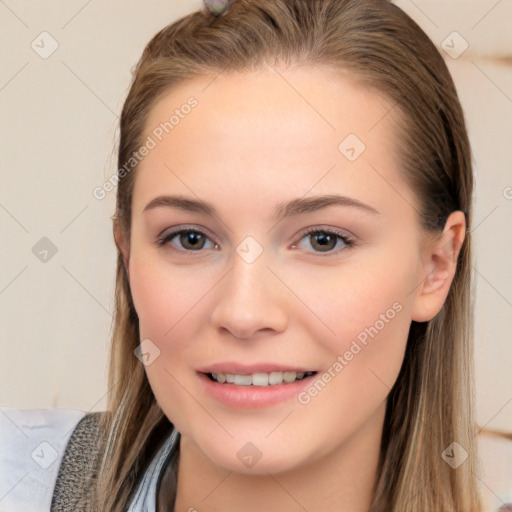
(252, 397)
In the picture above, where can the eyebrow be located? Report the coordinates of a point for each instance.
(282, 210)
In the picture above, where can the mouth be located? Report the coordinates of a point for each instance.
(252, 387)
(259, 379)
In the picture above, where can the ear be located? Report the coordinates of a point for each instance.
(122, 244)
(439, 267)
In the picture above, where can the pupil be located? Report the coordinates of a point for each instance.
(193, 239)
(324, 240)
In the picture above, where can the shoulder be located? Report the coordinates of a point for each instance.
(33, 443)
(79, 466)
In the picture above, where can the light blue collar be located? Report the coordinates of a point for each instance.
(145, 496)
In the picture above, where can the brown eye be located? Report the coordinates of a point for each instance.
(325, 241)
(190, 240)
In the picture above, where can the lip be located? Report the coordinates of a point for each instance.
(251, 397)
(247, 369)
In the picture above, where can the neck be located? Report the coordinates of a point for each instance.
(342, 480)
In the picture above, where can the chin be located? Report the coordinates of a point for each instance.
(250, 459)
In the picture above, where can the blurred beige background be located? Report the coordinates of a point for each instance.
(59, 117)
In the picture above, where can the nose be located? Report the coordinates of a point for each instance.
(250, 300)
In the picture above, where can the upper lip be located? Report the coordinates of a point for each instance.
(247, 369)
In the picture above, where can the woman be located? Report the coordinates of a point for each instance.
(294, 251)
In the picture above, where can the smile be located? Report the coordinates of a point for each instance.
(259, 379)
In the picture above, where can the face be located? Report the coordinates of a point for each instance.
(305, 259)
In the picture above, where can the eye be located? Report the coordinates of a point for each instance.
(325, 240)
(191, 240)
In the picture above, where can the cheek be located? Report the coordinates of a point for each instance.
(363, 357)
(361, 321)
(165, 296)
(359, 300)
(171, 306)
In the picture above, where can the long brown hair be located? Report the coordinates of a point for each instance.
(431, 403)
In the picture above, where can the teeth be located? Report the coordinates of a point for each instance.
(289, 376)
(243, 380)
(275, 378)
(260, 379)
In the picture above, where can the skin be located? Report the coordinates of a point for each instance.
(253, 142)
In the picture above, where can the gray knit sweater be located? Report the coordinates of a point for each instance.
(80, 464)
(78, 467)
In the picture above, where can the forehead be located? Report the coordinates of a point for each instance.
(269, 131)
(332, 101)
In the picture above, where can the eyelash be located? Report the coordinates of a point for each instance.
(347, 240)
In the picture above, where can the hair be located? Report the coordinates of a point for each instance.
(431, 404)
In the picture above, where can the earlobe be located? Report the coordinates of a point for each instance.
(439, 267)
(122, 245)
